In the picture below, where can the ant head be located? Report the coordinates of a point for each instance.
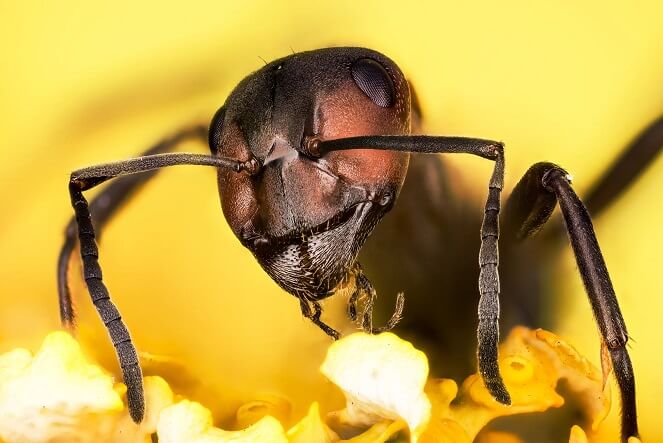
(306, 218)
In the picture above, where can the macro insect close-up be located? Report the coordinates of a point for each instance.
(339, 188)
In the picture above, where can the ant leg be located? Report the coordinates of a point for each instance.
(109, 313)
(626, 168)
(315, 317)
(489, 288)
(87, 178)
(529, 207)
(102, 208)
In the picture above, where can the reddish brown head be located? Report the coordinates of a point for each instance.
(306, 218)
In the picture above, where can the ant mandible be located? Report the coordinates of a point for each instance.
(311, 152)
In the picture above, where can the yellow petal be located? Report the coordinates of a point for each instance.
(532, 362)
(381, 433)
(382, 377)
(498, 437)
(441, 428)
(265, 404)
(584, 379)
(577, 435)
(311, 429)
(190, 422)
(158, 396)
(55, 395)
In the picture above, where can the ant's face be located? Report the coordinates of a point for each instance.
(306, 218)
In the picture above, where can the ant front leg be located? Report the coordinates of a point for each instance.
(528, 208)
(87, 178)
(124, 347)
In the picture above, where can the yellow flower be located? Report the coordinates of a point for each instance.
(382, 377)
(55, 392)
(532, 362)
(190, 422)
(57, 395)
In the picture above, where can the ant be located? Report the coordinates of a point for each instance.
(311, 152)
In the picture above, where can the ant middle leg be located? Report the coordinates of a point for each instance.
(626, 169)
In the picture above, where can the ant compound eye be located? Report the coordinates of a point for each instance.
(374, 81)
(215, 129)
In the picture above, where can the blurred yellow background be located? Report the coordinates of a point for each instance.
(569, 82)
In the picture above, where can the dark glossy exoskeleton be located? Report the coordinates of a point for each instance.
(312, 151)
(306, 218)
